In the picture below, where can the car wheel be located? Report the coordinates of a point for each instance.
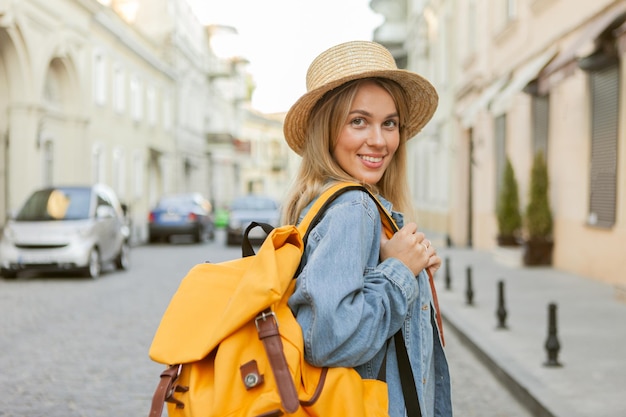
(7, 273)
(123, 258)
(94, 265)
(198, 236)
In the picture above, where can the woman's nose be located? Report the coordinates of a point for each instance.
(376, 137)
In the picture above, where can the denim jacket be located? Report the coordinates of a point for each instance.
(349, 304)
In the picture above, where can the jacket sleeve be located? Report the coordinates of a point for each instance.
(347, 303)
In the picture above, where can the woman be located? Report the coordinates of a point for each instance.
(357, 288)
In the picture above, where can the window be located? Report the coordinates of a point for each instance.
(151, 98)
(97, 158)
(53, 88)
(71, 203)
(119, 172)
(99, 78)
(510, 9)
(167, 112)
(119, 89)
(136, 98)
(137, 174)
(604, 86)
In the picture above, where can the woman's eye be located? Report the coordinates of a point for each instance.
(391, 123)
(358, 121)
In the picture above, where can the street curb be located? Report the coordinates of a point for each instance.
(517, 389)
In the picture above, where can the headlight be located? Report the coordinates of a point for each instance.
(8, 233)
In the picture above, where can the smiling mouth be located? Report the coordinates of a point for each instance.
(371, 158)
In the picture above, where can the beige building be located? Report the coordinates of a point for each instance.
(266, 168)
(416, 36)
(516, 77)
(84, 99)
(561, 94)
(123, 92)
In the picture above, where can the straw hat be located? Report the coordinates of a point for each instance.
(351, 61)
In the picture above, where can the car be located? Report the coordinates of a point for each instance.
(181, 214)
(66, 228)
(249, 208)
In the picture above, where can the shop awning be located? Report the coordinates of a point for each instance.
(520, 79)
(580, 45)
(468, 116)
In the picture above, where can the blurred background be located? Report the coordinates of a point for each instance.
(157, 97)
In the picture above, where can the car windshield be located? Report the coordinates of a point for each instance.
(56, 204)
(254, 203)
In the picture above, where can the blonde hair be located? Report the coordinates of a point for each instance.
(319, 170)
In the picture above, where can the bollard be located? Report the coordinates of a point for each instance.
(552, 344)
(447, 277)
(501, 311)
(469, 292)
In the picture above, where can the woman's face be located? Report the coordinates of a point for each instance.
(370, 136)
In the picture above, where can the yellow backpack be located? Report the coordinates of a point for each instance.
(233, 348)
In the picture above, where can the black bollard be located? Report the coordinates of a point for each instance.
(552, 342)
(447, 273)
(469, 292)
(501, 311)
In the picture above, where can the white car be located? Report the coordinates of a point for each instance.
(74, 228)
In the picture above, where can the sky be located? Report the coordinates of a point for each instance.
(280, 38)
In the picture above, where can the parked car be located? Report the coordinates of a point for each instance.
(73, 228)
(181, 214)
(247, 209)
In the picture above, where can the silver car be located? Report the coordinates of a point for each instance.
(74, 228)
(249, 208)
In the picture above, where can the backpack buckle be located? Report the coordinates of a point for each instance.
(265, 314)
(169, 378)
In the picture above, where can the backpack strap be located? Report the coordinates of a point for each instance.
(315, 213)
(267, 327)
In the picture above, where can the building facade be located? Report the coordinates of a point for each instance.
(516, 78)
(74, 83)
(417, 39)
(123, 92)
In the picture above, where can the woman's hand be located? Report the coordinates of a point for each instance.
(411, 248)
(434, 262)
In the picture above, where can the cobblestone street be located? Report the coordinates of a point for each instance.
(74, 347)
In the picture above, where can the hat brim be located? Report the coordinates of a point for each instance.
(421, 95)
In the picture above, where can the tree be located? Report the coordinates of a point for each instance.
(538, 216)
(508, 212)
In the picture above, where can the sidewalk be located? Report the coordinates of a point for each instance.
(591, 330)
